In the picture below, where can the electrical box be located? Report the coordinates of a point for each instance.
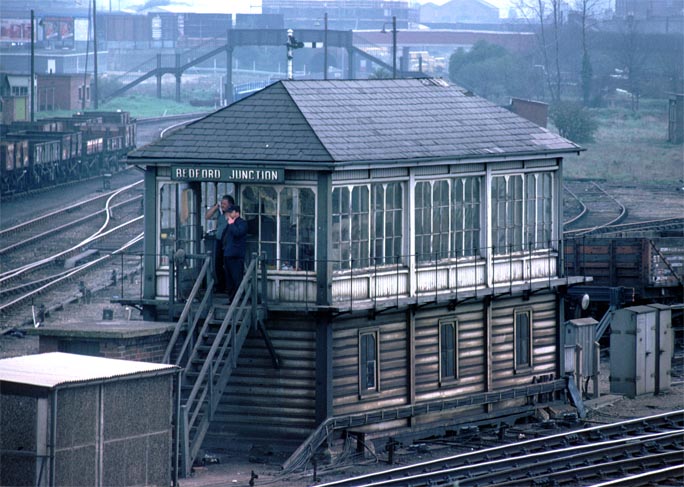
(664, 347)
(640, 350)
(579, 336)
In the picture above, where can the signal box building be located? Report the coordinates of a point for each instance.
(413, 275)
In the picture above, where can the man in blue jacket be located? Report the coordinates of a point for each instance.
(234, 248)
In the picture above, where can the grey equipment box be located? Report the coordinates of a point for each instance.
(640, 350)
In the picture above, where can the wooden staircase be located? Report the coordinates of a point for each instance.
(214, 335)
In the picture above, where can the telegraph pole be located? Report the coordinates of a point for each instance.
(394, 46)
(95, 93)
(325, 48)
(33, 68)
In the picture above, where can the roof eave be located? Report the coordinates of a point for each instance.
(288, 164)
(363, 163)
(469, 159)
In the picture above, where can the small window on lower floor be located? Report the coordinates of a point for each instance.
(369, 369)
(448, 351)
(523, 339)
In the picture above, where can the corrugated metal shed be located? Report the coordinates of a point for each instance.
(56, 368)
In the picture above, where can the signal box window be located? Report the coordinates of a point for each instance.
(368, 362)
(523, 339)
(448, 351)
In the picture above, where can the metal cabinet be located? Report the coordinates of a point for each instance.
(640, 350)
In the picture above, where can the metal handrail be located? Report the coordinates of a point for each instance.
(306, 449)
(204, 272)
(208, 387)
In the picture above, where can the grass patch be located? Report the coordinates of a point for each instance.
(630, 147)
(139, 106)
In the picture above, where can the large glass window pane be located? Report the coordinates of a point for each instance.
(448, 350)
(523, 339)
(306, 236)
(259, 209)
(440, 219)
(297, 214)
(368, 362)
(423, 221)
(167, 222)
(507, 213)
(379, 223)
(387, 223)
(367, 225)
(466, 216)
(338, 236)
(359, 227)
(546, 211)
(538, 214)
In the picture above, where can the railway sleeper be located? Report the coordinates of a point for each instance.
(71, 262)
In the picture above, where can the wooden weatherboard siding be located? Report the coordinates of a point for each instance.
(264, 401)
(393, 363)
(544, 340)
(471, 346)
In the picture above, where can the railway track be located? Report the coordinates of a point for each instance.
(77, 249)
(644, 447)
(32, 286)
(591, 208)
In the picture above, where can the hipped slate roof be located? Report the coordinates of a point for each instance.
(354, 121)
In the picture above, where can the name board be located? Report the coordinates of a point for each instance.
(233, 174)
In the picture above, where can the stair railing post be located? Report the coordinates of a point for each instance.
(210, 385)
(233, 340)
(185, 453)
(255, 294)
(264, 281)
(172, 285)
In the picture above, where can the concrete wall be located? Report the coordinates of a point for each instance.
(18, 434)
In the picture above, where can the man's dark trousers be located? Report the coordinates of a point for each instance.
(234, 268)
(219, 272)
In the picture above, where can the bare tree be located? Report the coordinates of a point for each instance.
(550, 18)
(586, 10)
(633, 57)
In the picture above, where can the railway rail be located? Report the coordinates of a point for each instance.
(28, 282)
(645, 446)
(596, 208)
(29, 293)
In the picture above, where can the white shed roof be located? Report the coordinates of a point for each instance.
(56, 368)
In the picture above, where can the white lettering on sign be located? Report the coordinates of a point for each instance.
(225, 174)
(254, 174)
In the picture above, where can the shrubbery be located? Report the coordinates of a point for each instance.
(573, 122)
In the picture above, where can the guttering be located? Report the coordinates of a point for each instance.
(366, 163)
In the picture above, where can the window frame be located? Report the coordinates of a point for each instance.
(430, 212)
(444, 377)
(176, 221)
(529, 364)
(366, 391)
(278, 262)
(538, 224)
(358, 241)
(523, 221)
